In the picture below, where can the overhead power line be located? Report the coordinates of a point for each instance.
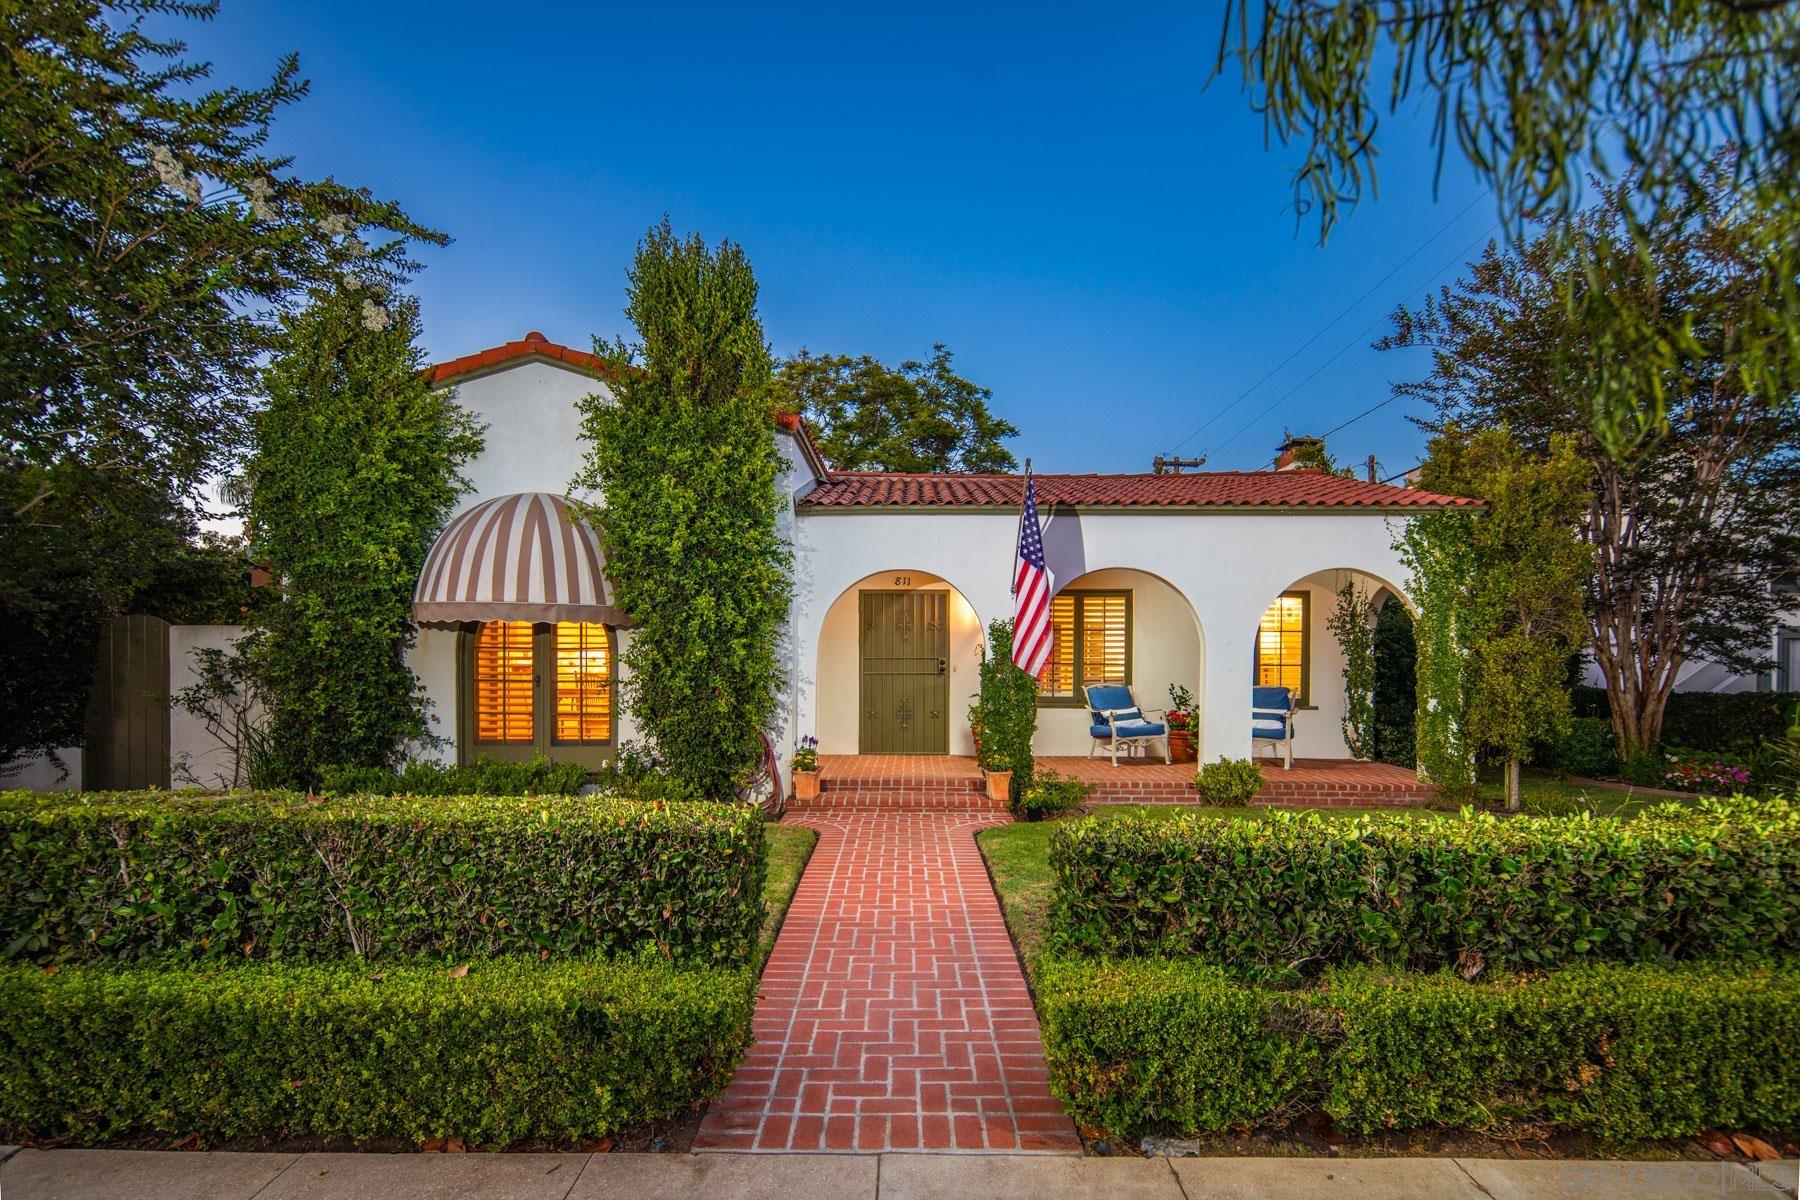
(1462, 255)
(1326, 328)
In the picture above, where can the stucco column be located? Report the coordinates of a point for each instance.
(1227, 677)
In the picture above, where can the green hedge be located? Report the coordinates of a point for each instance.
(1621, 1052)
(1716, 721)
(142, 875)
(1296, 891)
(483, 777)
(1153, 1045)
(518, 1050)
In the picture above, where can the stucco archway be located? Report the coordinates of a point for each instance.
(1294, 647)
(839, 699)
(1167, 645)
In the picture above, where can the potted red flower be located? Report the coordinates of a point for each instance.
(1180, 722)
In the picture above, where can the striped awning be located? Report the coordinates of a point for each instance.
(523, 557)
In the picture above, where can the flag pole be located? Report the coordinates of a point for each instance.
(1019, 533)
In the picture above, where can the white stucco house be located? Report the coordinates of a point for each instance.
(1212, 581)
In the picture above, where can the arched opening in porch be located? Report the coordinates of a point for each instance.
(899, 655)
(1295, 648)
(1116, 625)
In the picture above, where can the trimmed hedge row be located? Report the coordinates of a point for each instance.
(483, 777)
(1296, 890)
(518, 1050)
(1716, 721)
(1622, 1052)
(150, 875)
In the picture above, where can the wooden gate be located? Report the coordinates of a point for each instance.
(127, 743)
(905, 693)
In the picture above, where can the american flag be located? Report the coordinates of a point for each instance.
(1031, 591)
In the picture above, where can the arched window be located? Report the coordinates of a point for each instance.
(537, 689)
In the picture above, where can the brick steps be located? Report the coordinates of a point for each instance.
(901, 783)
(906, 798)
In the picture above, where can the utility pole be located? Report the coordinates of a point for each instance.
(1169, 465)
(1371, 468)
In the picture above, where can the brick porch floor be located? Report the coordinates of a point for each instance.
(893, 1014)
(1328, 782)
(949, 780)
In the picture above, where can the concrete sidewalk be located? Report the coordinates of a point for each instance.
(148, 1175)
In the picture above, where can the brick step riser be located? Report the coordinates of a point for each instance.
(872, 799)
(955, 787)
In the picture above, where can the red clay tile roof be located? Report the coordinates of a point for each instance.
(1204, 489)
(532, 345)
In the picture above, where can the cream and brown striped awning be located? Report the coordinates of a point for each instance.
(523, 557)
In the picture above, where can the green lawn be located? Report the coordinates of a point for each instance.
(1546, 795)
(789, 848)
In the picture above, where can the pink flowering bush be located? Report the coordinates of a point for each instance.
(1692, 771)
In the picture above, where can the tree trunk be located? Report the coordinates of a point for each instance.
(1512, 785)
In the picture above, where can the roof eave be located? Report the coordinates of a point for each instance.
(1012, 509)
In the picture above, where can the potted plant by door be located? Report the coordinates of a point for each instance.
(806, 769)
(1180, 721)
(996, 768)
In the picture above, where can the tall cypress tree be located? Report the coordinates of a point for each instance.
(355, 470)
(687, 468)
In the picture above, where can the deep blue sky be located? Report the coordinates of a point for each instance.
(1048, 189)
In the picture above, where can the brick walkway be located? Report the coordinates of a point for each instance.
(893, 1013)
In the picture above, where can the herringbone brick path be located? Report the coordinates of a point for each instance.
(893, 1013)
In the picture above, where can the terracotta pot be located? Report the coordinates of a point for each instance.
(999, 785)
(1181, 746)
(806, 785)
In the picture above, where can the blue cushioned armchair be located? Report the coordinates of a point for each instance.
(1272, 720)
(1118, 720)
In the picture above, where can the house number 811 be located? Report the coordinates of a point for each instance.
(903, 581)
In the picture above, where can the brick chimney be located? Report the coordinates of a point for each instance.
(1291, 447)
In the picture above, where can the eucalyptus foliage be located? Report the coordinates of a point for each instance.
(355, 470)
(148, 243)
(1352, 623)
(1535, 97)
(687, 468)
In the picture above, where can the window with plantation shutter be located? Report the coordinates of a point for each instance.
(537, 689)
(1091, 644)
(583, 683)
(504, 691)
(1281, 639)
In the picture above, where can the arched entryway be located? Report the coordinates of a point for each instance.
(1295, 648)
(1116, 625)
(899, 658)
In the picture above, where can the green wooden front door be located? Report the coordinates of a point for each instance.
(905, 673)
